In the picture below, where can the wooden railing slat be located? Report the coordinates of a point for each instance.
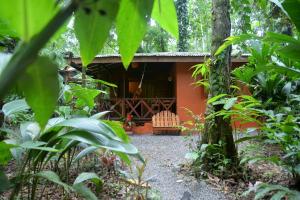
(141, 108)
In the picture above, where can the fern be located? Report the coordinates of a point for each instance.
(277, 192)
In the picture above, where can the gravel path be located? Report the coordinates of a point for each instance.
(164, 154)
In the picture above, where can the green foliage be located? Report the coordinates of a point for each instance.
(4, 183)
(243, 9)
(291, 51)
(164, 13)
(60, 136)
(53, 177)
(14, 107)
(215, 98)
(242, 108)
(192, 156)
(292, 10)
(234, 40)
(210, 159)
(263, 190)
(100, 141)
(82, 189)
(88, 176)
(78, 101)
(283, 129)
(199, 13)
(104, 83)
(93, 22)
(118, 129)
(39, 94)
(201, 71)
(32, 16)
(5, 154)
(132, 23)
(245, 73)
(272, 76)
(155, 40)
(84, 96)
(5, 29)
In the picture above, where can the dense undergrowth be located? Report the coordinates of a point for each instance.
(272, 78)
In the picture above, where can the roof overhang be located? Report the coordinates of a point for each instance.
(181, 57)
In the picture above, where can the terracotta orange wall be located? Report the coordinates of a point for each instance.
(194, 98)
(188, 95)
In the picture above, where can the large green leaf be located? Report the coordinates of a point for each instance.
(278, 195)
(85, 152)
(5, 154)
(92, 25)
(118, 130)
(278, 3)
(280, 38)
(85, 176)
(85, 96)
(229, 103)
(215, 98)
(90, 125)
(84, 191)
(37, 145)
(291, 51)
(124, 157)
(292, 7)
(53, 177)
(27, 17)
(245, 74)
(52, 123)
(131, 26)
(88, 176)
(235, 40)
(100, 140)
(5, 30)
(164, 12)
(104, 82)
(40, 86)
(100, 115)
(15, 106)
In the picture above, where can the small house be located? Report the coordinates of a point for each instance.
(153, 82)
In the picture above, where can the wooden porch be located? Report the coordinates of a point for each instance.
(142, 109)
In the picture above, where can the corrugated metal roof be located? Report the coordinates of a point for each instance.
(159, 57)
(160, 54)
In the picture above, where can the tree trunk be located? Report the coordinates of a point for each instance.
(183, 22)
(219, 129)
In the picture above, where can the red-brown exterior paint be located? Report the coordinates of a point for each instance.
(187, 94)
(194, 98)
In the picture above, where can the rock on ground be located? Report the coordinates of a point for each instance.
(164, 154)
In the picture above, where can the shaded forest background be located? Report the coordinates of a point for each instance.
(194, 17)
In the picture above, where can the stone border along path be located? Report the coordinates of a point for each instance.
(164, 154)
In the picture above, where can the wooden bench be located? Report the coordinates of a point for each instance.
(166, 122)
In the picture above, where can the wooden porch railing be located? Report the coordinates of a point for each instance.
(142, 109)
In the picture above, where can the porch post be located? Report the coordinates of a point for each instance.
(124, 96)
